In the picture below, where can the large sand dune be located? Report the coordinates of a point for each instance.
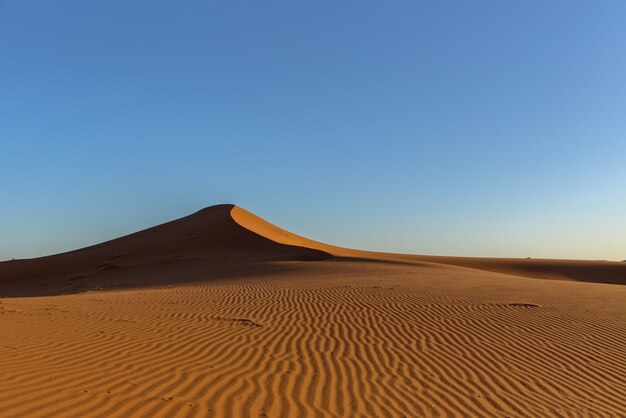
(221, 314)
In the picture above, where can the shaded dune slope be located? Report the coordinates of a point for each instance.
(206, 242)
(211, 242)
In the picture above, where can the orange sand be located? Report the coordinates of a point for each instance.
(221, 314)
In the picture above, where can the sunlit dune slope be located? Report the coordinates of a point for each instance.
(579, 270)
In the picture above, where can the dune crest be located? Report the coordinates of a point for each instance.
(260, 226)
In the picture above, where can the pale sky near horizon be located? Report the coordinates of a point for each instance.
(483, 128)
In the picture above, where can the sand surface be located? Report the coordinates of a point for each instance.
(221, 314)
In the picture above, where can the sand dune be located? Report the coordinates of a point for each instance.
(216, 238)
(221, 314)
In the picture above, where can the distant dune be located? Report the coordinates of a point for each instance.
(222, 314)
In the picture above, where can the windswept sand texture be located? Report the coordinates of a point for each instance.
(221, 314)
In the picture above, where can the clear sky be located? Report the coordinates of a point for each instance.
(493, 128)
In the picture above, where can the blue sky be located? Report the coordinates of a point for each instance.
(441, 127)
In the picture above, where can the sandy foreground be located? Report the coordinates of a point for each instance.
(221, 314)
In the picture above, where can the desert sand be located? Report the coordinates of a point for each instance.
(222, 314)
